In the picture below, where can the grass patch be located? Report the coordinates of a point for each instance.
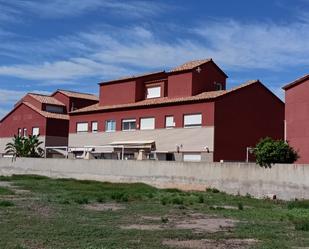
(298, 204)
(4, 203)
(6, 191)
(61, 201)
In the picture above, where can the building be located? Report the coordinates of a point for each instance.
(297, 116)
(183, 114)
(45, 115)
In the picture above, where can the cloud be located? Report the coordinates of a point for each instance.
(71, 8)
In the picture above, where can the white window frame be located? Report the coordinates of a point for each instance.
(35, 131)
(147, 126)
(94, 126)
(20, 132)
(172, 124)
(86, 127)
(25, 132)
(106, 125)
(190, 120)
(155, 92)
(133, 120)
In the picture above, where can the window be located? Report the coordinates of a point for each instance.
(193, 120)
(35, 131)
(218, 86)
(94, 127)
(153, 92)
(82, 127)
(25, 132)
(128, 124)
(169, 122)
(147, 123)
(19, 132)
(110, 125)
(53, 108)
(192, 157)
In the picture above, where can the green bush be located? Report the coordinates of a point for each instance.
(301, 224)
(6, 204)
(269, 151)
(298, 204)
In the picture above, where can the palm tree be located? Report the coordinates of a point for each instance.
(25, 147)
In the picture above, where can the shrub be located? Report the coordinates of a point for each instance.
(201, 199)
(212, 190)
(82, 200)
(177, 200)
(298, 204)
(6, 204)
(164, 219)
(269, 151)
(301, 224)
(240, 206)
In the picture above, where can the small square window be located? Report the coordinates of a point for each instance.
(35, 131)
(153, 92)
(82, 127)
(110, 125)
(128, 124)
(169, 122)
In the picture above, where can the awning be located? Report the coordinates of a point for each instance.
(147, 144)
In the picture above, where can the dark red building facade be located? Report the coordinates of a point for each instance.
(183, 114)
(47, 116)
(297, 116)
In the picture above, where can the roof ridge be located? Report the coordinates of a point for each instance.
(64, 90)
(295, 82)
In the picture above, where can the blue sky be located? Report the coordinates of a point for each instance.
(74, 44)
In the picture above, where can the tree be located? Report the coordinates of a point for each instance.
(25, 147)
(269, 151)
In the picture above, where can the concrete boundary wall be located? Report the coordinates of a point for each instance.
(284, 181)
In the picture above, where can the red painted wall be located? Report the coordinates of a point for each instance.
(117, 93)
(77, 103)
(242, 118)
(297, 119)
(207, 109)
(179, 85)
(57, 127)
(22, 117)
(204, 81)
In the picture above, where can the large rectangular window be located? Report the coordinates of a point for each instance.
(192, 120)
(110, 125)
(35, 131)
(169, 122)
(128, 124)
(82, 127)
(147, 123)
(153, 92)
(54, 108)
(94, 127)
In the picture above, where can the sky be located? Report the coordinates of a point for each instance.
(75, 44)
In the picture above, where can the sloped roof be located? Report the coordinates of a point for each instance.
(78, 95)
(190, 65)
(131, 77)
(296, 82)
(45, 99)
(47, 114)
(42, 113)
(166, 100)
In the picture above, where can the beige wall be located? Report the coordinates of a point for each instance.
(285, 181)
(192, 139)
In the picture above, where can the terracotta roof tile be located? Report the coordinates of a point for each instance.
(132, 77)
(45, 99)
(190, 65)
(47, 114)
(78, 95)
(165, 100)
(296, 82)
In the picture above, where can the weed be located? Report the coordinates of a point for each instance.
(164, 220)
(6, 191)
(201, 199)
(82, 200)
(298, 204)
(177, 200)
(164, 201)
(301, 224)
(101, 199)
(240, 206)
(6, 203)
(212, 190)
